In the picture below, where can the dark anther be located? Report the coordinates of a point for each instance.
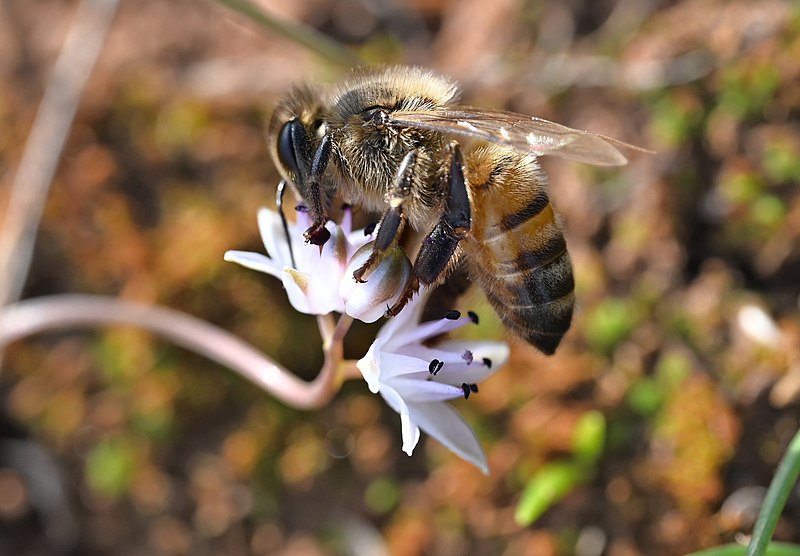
(467, 356)
(487, 362)
(453, 315)
(346, 206)
(466, 389)
(317, 235)
(301, 208)
(474, 388)
(473, 316)
(369, 228)
(435, 366)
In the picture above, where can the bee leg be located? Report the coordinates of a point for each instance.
(315, 197)
(438, 251)
(393, 219)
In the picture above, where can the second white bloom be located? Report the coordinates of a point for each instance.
(417, 380)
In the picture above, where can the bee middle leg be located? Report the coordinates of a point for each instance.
(393, 220)
(438, 251)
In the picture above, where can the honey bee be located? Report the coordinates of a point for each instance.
(395, 140)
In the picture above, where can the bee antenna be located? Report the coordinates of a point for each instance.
(284, 222)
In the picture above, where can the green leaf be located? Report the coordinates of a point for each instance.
(589, 438)
(110, 467)
(645, 396)
(774, 549)
(779, 490)
(382, 495)
(549, 485)
(611, 321)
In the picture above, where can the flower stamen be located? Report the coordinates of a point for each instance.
(469, 389)
(435, 366)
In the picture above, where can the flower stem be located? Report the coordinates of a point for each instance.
(334, 353)
(782, 484)
(89, 311)
(46, 141)
(327, 327)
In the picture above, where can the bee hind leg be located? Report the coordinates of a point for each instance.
(437, 255)
(393, 219)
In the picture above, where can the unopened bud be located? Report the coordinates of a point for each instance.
(384, 283)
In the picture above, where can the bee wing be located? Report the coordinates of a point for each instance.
(526, 133)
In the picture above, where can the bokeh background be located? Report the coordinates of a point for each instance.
(687, 339)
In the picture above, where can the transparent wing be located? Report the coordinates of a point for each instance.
(526, 133)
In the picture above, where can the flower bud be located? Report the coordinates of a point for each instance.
(385, 282)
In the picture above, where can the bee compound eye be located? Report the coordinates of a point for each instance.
(292, 141)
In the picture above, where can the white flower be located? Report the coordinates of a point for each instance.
(385, 282)
(417, 380)
(321, 280)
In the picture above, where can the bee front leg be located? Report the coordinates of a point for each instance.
(393, 220)
(316, 198)
(438, 251)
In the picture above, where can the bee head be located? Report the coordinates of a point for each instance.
(301, 149)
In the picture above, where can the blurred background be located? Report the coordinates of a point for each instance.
(685, 350)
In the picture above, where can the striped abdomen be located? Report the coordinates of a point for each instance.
(516, 249)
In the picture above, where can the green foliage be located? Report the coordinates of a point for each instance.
(611, 321)
(555, 480)
(774, 549)
(382, 495)
(675, 118)
(746, 90)
(549, 485)
(781, 161)
(110, 466)
(589, 438)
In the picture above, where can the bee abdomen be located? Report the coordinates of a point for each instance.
(517, 250)
(526, 272)
(536, 301)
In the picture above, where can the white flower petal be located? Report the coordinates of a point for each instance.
(298, 287)
(379, 368)
(444, 424)
(497, 352)
(428, 330)
(409, 428)
(274, 237)
(308, 294)
(416, 388)
(370, 369)
(367, 301)
(396, 329)
(255, 261)
(458, 372)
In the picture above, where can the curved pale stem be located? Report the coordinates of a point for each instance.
(89, 311)
(46, 142)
